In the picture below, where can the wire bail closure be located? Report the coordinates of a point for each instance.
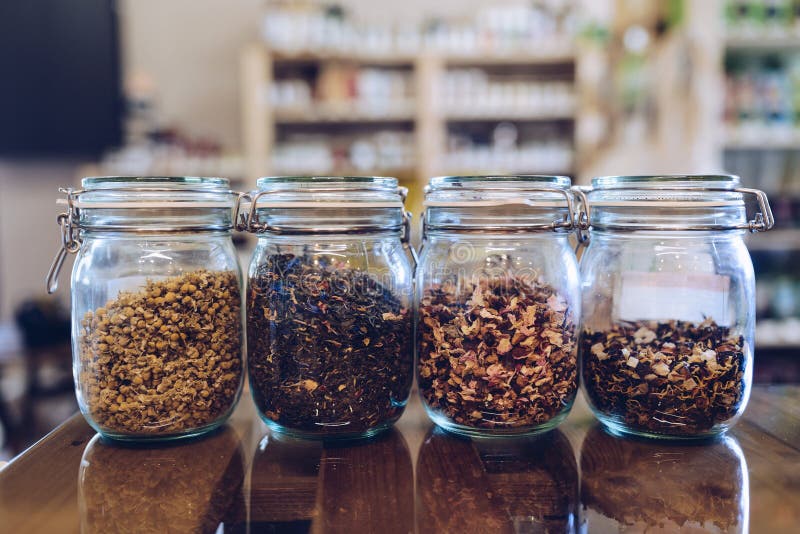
(569, 221)
(248, 221)
(70, 239)
(762, 221)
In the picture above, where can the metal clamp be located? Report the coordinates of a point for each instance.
(237, 214)
(70, 238)
(762, 220)
(405, 239)
(583, 218)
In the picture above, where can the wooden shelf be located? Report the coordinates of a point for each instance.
(560, 56)
(779, 240)
(364, 59)
(425, 114)
(478, 115)
(345, 113)
(736, 139)
(396, 172)
(766, 42)
(469, 171)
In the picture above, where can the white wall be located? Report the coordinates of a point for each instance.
(189, 50)
(29, 235)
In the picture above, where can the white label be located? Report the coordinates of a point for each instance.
(679, 296)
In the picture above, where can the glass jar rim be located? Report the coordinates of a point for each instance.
(288, 182)
(132, 182)
(688, 181)
(152, 193)
(555, 181)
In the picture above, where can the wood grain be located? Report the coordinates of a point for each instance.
(245, 478)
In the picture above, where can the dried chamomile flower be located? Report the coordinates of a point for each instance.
(165, 359)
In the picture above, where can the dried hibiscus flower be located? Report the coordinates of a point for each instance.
(498, 355)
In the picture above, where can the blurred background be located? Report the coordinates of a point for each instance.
(246, 88)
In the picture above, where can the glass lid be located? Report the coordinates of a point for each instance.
(328, 191)
(677, 202)
(691, 181)
(135, 192)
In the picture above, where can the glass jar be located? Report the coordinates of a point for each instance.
(329, 321)
(499, 303)
(669, 303)
(156, 304)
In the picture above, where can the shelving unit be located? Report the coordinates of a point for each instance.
(426, 116)
(761, 142)
(763, 42)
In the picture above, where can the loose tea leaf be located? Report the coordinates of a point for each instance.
(674, 378)
(165, 359)
(329, 347)
(499, 355)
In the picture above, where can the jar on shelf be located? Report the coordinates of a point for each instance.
(499, 304)
(329, 311)
(666, 339)
(156, 304)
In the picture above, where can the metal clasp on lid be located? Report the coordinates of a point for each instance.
(583, 215)
(70, 239)
(762, 220)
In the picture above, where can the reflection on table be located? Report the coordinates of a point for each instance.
(647, 486)
(414, 478)
(509, 485)
(306, 486)
(183, 487)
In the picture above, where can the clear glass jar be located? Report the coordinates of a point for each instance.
(329, 322)
(498, 302)
(668, 303)
(156, 304)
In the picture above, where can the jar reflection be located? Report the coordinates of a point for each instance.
(519, 485)
(190, 487)
(313, 486)
(647, 486)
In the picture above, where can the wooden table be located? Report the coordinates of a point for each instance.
(415, 478)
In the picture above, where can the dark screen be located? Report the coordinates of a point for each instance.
(59, 77)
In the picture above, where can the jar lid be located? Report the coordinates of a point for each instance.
(147, 192)
(328, 192)
(673, 202)
(325, 205)
(498, 204)
(529, 190)
(141, 204)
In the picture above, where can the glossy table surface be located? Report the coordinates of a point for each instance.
(415, 478)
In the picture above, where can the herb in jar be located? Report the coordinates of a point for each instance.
(499, 355)
(329, 347)
(164, 359)
(671, 377)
